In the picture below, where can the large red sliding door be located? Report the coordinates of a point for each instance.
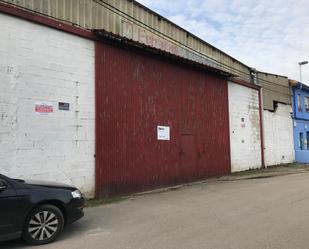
(136, 93)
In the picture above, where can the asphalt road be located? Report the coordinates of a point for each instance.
(242, 214)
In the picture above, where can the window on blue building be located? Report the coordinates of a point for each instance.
(307, 137)
(301, 141)
(307, 104)
(299, 102)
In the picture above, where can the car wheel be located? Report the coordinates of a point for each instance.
(43, 225)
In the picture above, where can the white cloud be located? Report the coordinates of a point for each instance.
(271, 36)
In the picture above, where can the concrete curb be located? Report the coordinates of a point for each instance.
(247, 175)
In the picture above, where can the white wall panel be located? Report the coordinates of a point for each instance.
(42, 64)
(278, 133)
(244, 128)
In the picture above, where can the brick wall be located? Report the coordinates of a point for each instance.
(38, 64)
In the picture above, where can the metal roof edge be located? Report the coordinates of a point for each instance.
(297, 84)
(273, 74)
(122, 40)
(245, 83)
(188, 32)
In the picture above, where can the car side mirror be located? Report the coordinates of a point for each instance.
(3, 185)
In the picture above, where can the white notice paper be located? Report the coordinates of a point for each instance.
(163, 132)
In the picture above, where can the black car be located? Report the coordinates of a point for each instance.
(37, 211)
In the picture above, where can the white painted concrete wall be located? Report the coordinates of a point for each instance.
(244, 128)
(278, 135)
(38, 63)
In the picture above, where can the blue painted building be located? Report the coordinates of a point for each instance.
(300, 104)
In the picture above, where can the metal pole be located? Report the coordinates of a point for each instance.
(301, 64)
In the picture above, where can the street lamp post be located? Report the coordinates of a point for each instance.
(301, 64)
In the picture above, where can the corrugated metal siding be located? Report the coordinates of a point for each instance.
(139, 26)
(275, 89)
(134, 94)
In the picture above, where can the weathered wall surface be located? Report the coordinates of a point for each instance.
(136, 93)
(245, 133)
(41, 64)
(132, 20)
(275, 89)
(278, 134)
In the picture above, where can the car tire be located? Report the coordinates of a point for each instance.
(43, 225)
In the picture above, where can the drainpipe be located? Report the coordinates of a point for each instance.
(295, 99)
(293, 115)
(294, 104)
(254, 80)
(253, 76)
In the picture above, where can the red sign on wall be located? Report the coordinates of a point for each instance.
(44, 107)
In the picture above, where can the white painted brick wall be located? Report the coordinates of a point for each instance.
(278, 135)
(38, 63)
(244, 128)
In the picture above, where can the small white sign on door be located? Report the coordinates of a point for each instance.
(163, 132)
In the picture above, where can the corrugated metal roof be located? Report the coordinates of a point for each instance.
(136, 22)
(133, 20)
(121, 40)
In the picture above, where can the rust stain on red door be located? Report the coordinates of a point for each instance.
(136, 93)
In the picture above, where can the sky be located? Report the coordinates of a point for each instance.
(269, 35)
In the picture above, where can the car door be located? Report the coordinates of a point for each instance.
(8, 208)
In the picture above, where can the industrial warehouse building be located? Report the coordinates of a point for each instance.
(41, 70)
(114, 107)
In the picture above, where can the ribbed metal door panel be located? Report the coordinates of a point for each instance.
(135, 93)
